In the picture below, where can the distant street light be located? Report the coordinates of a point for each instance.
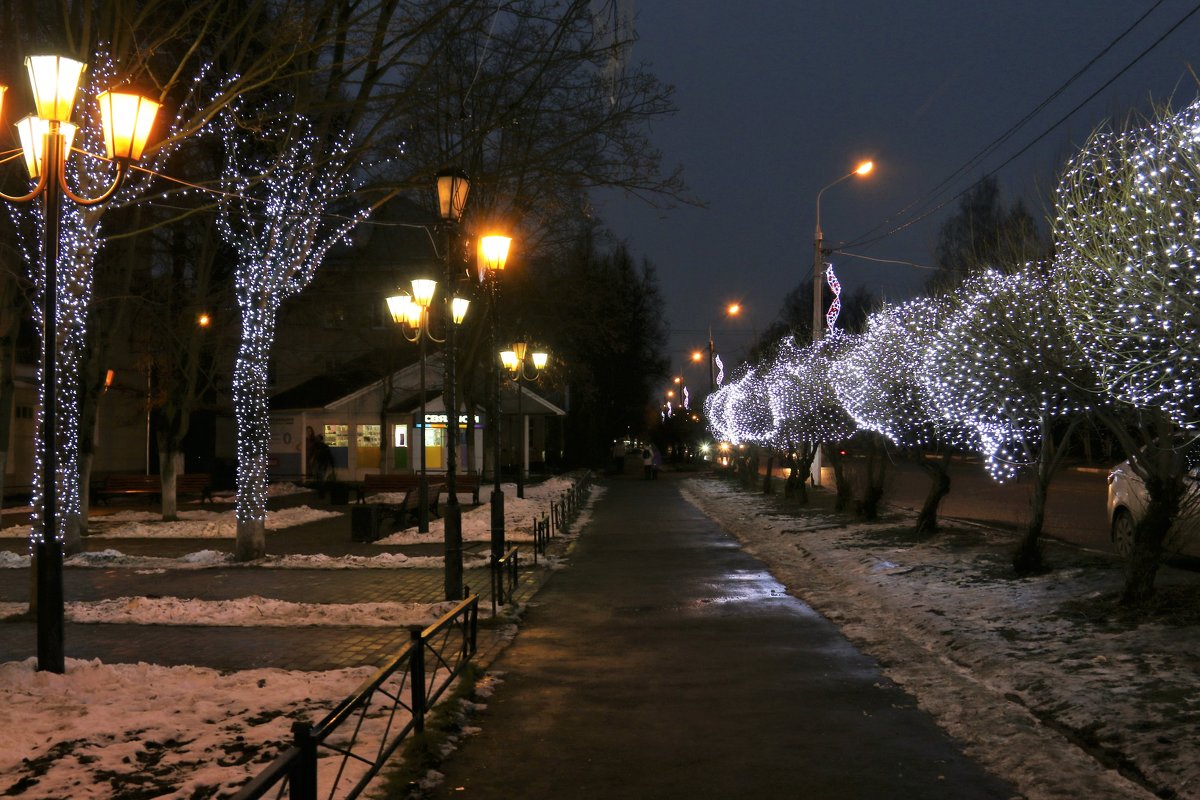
(818, 277)
(515, 361)
(126, 120)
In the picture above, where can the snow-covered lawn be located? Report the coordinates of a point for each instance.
(1044, 679)
(122, 730)
(119, 730)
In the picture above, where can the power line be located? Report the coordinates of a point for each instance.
(867, 238)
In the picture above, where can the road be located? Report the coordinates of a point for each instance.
(1075, 510)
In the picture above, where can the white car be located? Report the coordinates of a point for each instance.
(1127, 500)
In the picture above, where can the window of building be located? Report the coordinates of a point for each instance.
(367, 453)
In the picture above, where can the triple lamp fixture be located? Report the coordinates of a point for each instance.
(514, 360)
(412, 310)
(126, 118)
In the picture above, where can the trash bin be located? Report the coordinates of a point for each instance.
(339, 494)
(365, 523)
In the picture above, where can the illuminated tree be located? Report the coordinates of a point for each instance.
(1127, 231)
(276, 217)
(1003, 366)
(880, 383)
(806, 411)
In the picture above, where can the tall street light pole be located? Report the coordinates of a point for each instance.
(46, 142)
(452, 188)
(818, 278)
(493, 254)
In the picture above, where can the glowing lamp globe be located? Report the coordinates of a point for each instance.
(32, 130)
(127, 120)
(458, 309)
(398, 307)
(422, 291)
(493, 251)
(540, 360)
(54, 80)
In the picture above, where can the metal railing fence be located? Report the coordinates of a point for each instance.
(411, 681)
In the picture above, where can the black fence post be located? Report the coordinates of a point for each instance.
(302, 781)
(495, 582)
(417, 671)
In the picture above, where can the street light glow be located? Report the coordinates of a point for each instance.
(865, 168)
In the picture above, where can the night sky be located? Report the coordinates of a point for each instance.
(778, 98)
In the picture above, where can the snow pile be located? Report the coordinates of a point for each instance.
(1008, 666)
(519, 514)
(148, 731)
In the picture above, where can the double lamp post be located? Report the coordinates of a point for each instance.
(46, 143)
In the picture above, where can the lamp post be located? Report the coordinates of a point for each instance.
(514, 360)
(411, 313)
(452, 188)
(46, 144)
(493, 254)
(818, 277)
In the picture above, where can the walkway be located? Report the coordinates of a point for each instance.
(667, 663)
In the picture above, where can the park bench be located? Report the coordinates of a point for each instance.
(403, 481)
(135, 485)
(367, 521)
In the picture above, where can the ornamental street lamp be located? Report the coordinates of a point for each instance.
(818, 278)
(493, 254)
(515, 361)
(413, 315)
(46, 145)
(452, 189)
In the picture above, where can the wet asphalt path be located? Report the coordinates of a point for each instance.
(666, 663)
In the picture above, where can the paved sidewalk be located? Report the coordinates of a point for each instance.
(667, 663)
(232, 648)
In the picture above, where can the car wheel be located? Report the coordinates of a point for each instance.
(1122, 532)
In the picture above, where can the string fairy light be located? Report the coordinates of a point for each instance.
(273, 217)
(1127, 234)
(878, 380)
(1002, 365)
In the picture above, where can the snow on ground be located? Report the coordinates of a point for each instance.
(207, 559)
(122, 730)
(192, 524)
(1045, 680)
(250, 611)
(519, 513)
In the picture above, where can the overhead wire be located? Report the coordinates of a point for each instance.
(866, 238)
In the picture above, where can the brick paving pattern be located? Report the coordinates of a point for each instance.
(317, 647)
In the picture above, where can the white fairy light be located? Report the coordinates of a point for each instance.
(1002, 366)
(274, 217)
(1127, 233)
(880, 384)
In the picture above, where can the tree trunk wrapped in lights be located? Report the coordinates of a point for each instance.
(1127, 229)
(275, 217)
